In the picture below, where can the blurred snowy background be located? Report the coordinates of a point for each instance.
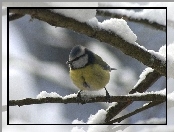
(37, 62)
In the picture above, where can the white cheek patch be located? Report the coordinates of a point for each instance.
(81, 62)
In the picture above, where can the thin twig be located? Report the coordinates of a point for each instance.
(151, 104)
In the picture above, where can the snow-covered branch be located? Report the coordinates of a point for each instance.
(100, 33)
(145, 107)
(72, 99)
(145, 83)
(130, 17)
(15, 16)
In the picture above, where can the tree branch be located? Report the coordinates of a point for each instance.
(143, 21)
(15, 16)
(127, 98)
(151, 78)
(102, 35)
(151, 104)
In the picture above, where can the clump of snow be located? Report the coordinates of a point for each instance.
(162, 50)
(145, 104)
(81, 15)
(70, 96)
(99, 117)
(143, 75)
(93, 22)
(119, 27)
(169, 6)
(157, 55)
(77, 122)
(44, 94)
(152, 15)
(170, 58)
(161, 92)
(161, 54)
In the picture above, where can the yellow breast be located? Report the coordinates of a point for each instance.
(92, 75)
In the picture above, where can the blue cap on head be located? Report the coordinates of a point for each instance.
(76, 52)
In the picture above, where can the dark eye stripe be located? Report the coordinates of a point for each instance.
(76, 58)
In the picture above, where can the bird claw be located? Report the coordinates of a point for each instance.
(108, 97)
(79, 98)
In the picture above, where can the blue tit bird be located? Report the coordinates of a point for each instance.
(88, 71)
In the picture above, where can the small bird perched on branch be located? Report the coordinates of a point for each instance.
(88, 71)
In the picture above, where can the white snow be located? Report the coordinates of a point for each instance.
(119, 27)
(162, 56)
(170, 58)
(44, 94)
(76, 121)
(161, 92)
(145, 104)
(157, 55)
(99, 117)
(162, 50)
(169, 6)
(152, 15)
(81, 15)
(70, 96)
(143, 75)
(93, 22)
